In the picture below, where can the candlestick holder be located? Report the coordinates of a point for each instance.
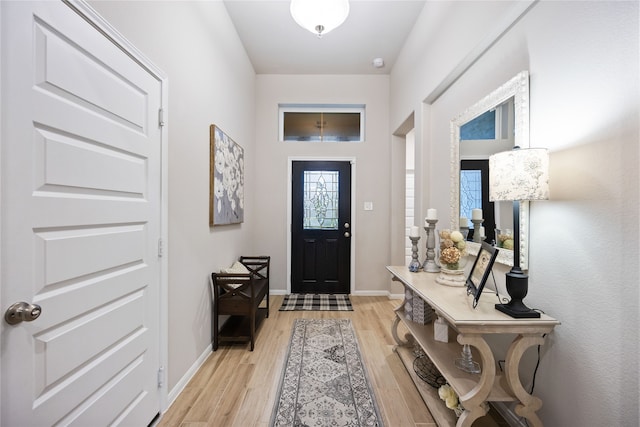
(414, 265)
(465, 232)
(477, 223)
(466, 362)
(430, 265)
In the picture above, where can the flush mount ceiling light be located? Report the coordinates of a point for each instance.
(319, 16)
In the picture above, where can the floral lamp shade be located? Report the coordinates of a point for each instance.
(519, 174)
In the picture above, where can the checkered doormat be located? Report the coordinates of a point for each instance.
(317, 302)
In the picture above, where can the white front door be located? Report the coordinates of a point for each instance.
(80, 223)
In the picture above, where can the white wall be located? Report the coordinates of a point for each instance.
(370, 228)
(584, 65)
(211, 81)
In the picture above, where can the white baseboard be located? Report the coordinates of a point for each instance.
(278, 292)
(179, 387)
(370, 293)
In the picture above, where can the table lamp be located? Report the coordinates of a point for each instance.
(518, 175)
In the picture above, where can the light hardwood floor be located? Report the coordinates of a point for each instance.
(237, 387)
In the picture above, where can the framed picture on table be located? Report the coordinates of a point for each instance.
(480, 271)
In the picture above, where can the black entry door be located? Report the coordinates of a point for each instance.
(474, 193)
(321, 227)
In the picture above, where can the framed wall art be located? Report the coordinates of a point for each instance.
(226, 179)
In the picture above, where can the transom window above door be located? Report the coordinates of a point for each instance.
(321, 123)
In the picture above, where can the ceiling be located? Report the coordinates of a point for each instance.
(277, 45)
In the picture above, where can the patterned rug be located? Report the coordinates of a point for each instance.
(317, 302)
(324, 382)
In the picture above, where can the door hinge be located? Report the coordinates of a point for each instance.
(160, 248)
(160, 376)
(161, 117)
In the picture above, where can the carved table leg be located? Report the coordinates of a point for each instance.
(394, 328)
(474, 401)
(394, 332)
(528, 404)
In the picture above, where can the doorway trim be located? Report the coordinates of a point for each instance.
(354, 229)
(88, 13)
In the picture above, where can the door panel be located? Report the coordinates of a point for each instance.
(94, 165)
(80, 204)
(321, 233)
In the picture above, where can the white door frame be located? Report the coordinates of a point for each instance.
(352, 160)
(91, 16)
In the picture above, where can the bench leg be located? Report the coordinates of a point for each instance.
(214, 344)
(267, 303)
(253, 327)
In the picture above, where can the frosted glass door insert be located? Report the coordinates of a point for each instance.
(470, 192)
(321, 200)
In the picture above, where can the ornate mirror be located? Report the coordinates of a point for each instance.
(505, 112)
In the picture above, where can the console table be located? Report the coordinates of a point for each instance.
(472, 325)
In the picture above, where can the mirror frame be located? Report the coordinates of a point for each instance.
(518, 88)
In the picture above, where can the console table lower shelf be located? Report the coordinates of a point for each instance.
(447, 353)
(439, 411)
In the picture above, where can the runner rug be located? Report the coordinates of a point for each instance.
(317, 302)
(324, 382)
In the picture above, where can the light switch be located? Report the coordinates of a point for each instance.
(368, 206)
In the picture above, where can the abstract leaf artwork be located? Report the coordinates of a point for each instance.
(226, 185)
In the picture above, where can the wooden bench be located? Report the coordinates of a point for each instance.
(240, 295)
